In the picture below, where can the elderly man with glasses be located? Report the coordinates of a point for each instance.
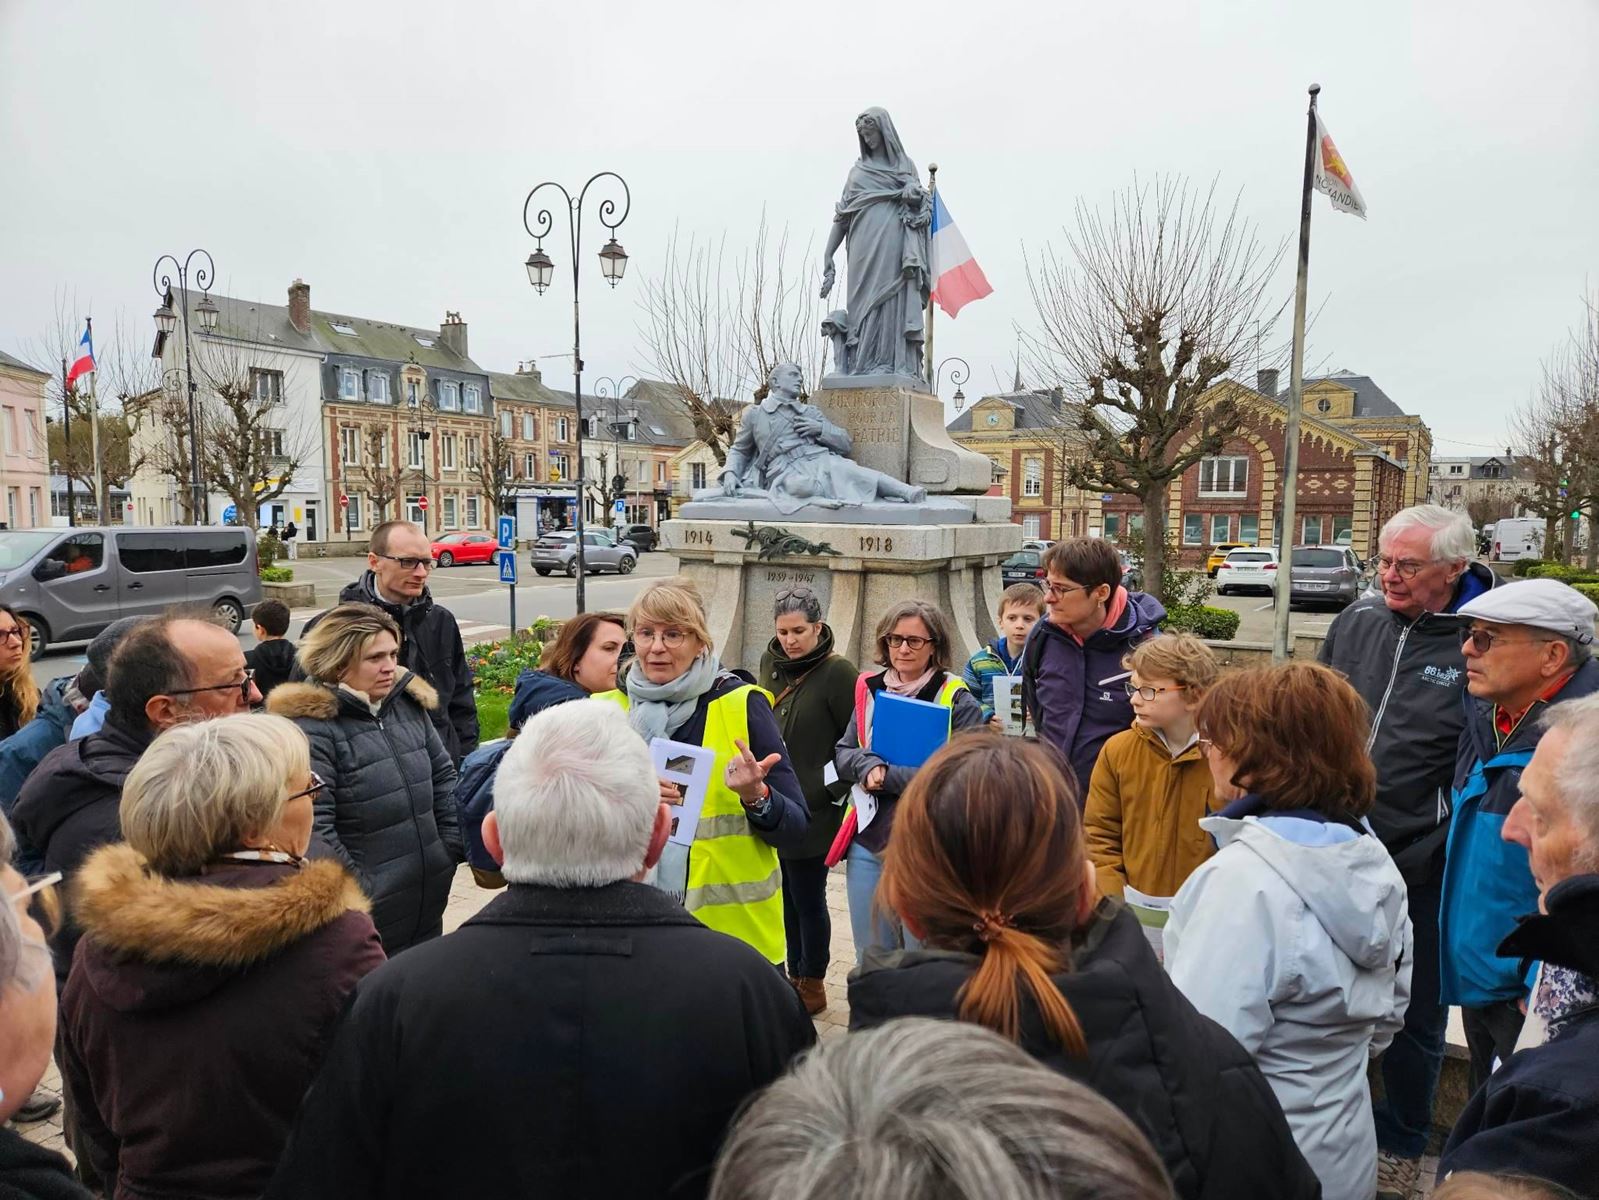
(1401, 651)
(398, 562)
(1529, 645)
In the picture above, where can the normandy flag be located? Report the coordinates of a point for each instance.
(1332, 175)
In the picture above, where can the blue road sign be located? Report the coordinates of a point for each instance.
(508, 566)
(507, 533)
(619, 508)
(230, 514)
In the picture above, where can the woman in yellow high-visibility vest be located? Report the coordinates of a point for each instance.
(676, 689)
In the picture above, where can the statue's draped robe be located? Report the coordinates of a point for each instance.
(888, 259)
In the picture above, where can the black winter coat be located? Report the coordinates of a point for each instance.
(813, 698)
(430, 645)
(563, 1042)
(272, 662)
(30, 1172)
(197, 1013)
(68, 808)
(388, 810)
(1411, 674)
(1539, 1112)
(1179, 1076)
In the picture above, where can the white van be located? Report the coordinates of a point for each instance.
(1517, 537)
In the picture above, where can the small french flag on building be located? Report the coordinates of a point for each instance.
(84, 363)
(957, 279)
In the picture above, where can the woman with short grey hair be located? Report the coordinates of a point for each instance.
(813, 690)
(857, 1118)
(208, 941)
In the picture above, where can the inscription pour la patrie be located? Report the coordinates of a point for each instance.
(869, 419)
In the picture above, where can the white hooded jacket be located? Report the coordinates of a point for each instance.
(1296, 937)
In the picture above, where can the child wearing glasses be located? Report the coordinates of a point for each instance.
(1151, 784)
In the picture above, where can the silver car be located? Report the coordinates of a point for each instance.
(1324, 575)
(557, 551)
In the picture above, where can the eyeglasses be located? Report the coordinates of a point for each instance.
(672, 639)
(1205, 745)
(1149, 693)
(411, 564)
(909, 641)
(1484, 640)
(11, 635)
(242, 687)
(317, 784)
(1060, 589)
(1408, 568)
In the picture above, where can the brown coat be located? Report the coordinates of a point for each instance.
(1142, 817)
(197, 1012)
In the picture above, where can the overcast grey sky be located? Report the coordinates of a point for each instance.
(381, 150)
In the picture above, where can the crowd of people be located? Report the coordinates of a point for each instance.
(1155, 938)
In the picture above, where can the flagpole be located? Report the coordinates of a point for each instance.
(66, 437)
(1296, 387)
(927, 352)
(94, 431)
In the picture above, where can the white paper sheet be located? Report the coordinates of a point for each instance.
(829, 774)
(865, 806)
(1008, 703)
(1152, 913)
(689, 767)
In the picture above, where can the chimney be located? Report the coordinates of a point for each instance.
(300, 305)
(1266, 382)
(453, 333)
(1056, 396)
(530, 368)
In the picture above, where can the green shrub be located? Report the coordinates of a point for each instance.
(545, 629)
(1217, 624)
(1570, 574)
(1590, 590)
(277, 574)
(267, 550)
(495, 665)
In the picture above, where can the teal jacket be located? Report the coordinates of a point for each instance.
(981, 668)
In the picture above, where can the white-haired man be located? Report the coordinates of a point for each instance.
(1401, 651)
(583, 1035)
(1540, 1111)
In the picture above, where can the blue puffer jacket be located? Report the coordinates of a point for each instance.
(1487, 880)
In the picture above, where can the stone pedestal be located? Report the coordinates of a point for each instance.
(898, 428)
(954, 566)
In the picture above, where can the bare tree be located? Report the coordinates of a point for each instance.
(494, 473)
(1489, 510)
(381, 473)
(1160, 296)
(714, 329)
(1536, 428)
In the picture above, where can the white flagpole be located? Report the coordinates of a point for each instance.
(94, 436)
(927, 348)
(1290, 476)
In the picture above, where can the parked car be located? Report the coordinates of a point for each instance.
(464, 548)
(1025, 566)
(1324, 575)
(1253, 568)
(70, 584)
(1219, 553)
(641, 537)
(557, 551)
(1039, 544)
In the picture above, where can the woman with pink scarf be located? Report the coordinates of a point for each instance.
(913, 644)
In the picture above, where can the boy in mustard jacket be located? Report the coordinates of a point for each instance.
(1151, 783)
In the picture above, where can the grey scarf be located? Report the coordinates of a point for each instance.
(653, 710)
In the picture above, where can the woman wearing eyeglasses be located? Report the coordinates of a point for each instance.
(213, 965)
(388, 811)
(19, 694)
(913, 646)
(676, 689)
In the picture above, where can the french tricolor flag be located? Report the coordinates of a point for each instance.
(957, 279)
(84, 363)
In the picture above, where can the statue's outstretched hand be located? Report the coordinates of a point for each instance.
(828, 277)
(730, 485)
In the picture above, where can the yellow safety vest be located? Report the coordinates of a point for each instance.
(735, 884)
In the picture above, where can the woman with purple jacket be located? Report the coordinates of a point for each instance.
(1072, 663)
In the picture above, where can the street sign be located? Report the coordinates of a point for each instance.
(619, 508)
(508, 567)
(507, 533)
(344, 501)
(422, 503)
(230, 514)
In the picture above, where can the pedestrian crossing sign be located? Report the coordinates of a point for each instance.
(508, 566)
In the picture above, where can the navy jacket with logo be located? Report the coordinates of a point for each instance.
(1487, 880)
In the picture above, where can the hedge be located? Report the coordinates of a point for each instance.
(1590, 590)
(277, 574)
(1569, 574)
(1217, 624)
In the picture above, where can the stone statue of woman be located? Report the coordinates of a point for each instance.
(886, 214)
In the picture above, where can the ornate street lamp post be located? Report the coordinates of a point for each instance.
(613, 390)
(540, 271)
(957, 376)
(166, 319)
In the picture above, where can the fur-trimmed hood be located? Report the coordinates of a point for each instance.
(153, 942)
(320, 702)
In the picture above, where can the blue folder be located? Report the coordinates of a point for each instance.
(906, 732)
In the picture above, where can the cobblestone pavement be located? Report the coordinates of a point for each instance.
(466, 898)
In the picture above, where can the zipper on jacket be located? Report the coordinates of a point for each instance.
(1399, 650)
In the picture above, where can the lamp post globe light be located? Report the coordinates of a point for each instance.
(957, 375)
(540, 273)
(166, 320)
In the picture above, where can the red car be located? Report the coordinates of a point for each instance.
(455, 548)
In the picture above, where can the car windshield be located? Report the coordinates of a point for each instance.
(18, 548)
(452, 538)
(1318, 558)
(1024, 558)
(1249, 556)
